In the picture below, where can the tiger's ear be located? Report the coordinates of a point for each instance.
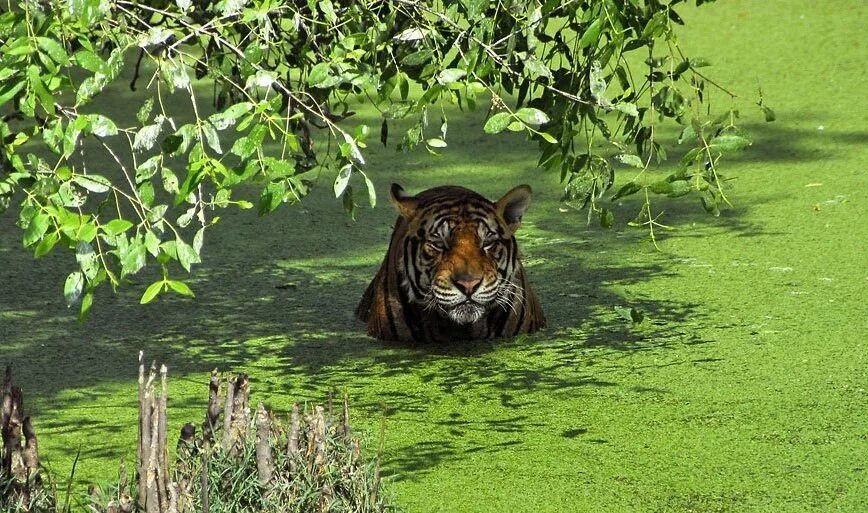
(513, 205)
(405, 203)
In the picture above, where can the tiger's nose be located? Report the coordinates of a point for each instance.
(467, 283)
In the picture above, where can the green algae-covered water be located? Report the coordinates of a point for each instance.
(745, 389)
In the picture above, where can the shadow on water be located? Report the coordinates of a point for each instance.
(275, 296)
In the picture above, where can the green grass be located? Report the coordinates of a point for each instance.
(744, 390)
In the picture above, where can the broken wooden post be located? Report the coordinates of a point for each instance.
(345, 418)
(20, 456)
(227, 416)
(144, 432)
(213, 412)
(264, 462)
(292, 439)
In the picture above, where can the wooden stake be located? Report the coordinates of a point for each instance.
(292, 443)
(345, 418)
(213, 413)
(152, 494)
(264, 462)
(240, 413)
(227, 416)
(143, 432)
(162, 446)
(319, 434)
(31, 453)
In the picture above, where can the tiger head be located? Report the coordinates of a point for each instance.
(459, 255)
(452, 270)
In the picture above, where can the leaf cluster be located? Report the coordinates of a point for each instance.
(233, 94)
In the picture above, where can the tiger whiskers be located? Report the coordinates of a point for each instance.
(429, 302)
(509, 295)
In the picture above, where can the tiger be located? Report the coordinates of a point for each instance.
(452, 270)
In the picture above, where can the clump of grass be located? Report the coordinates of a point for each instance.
(37, 499)
(326, 473)
(242, 463)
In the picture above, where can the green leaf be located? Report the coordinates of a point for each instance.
(237, 110)
(607, 218)
(768, 113)
(170, 181)
(36, 228)
(342, 179)
(626, 190)
(710, 205)
(661, 187)
(355, 152)
(436, 143)
(475, 8)
(687, 134)
(450, 75)
(417, 58)
(87, 259)
(656, 26)
(86, 303)
(592, 33)
(186, 255)
(271, 197)
(35, 80)
(147, 136)
(145, 111)
(328, 10)
(9, 89)
(117, 226)
(348, 203)
(152, 292)
(146, 193)
(629, 109)
(549, 138)
(198, 240)
(247, 146)
(152, 243)
(729, 142)
(46, 244)
(532, 116)
(536, 68)
(194, 177)
(133, 258)
(690, 157)
(86, 12)
(93, 183)
(181, 288)
(497, 123)
(73, 287)
(372, 194)
(187, 217)
(211, 137)
(630, 160)
(319, 74)
(679, 188)
(148, 168)
(53, 49)
(90, 61)
(597, 84)
(102, 126)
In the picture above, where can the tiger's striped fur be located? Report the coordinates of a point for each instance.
(452, 271)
